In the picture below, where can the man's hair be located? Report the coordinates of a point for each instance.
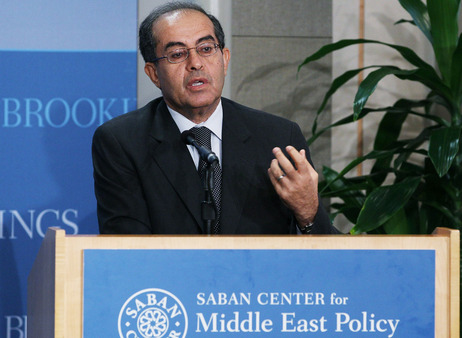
(148, 42)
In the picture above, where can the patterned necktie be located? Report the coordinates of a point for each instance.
(203, 137)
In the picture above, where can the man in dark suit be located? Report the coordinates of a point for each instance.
(146, 177)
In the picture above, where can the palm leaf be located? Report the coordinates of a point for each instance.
(398, 224)
(367, 87)
(444, 30)
(343, 189)
(373, 155)
(397, 110)
(346, 120)
(337, 83)
(443, 148)
(383, 203)
(419, 14)
(456, 71)
(405, 52)
(387, 134)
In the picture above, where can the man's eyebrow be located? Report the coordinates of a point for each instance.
(181, 44)
(174, 44)
(205, 38)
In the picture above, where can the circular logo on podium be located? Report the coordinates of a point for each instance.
(152, 313)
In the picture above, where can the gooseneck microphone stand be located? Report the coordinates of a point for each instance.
(209, 213)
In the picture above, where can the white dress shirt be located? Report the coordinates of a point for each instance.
(214, 123)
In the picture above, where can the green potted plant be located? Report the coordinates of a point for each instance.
(398, 195)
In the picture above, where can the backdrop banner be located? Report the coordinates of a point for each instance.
(66, 67)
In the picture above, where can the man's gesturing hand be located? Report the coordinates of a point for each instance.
(296, 186)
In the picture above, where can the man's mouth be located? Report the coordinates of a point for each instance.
(197, 81)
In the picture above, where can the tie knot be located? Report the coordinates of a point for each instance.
(203, 135)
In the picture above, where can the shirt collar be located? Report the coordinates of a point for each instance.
(214, 122)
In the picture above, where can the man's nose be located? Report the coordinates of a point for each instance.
(194, 60)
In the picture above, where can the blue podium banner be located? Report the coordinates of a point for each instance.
(271, 293)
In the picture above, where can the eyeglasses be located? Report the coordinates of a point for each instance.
(180, 54)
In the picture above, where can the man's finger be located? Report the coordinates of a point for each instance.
(299, 158)
(275, 171)
(283, 161)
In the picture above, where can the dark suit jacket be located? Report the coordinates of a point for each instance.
(146, 181)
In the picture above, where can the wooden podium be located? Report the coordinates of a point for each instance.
(55, 284)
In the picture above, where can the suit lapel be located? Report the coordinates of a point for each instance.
(238, 160)
(174, 160)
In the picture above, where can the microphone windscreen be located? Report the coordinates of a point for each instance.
(187, 136)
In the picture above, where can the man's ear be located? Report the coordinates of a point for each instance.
(151, 71)
(226, 58)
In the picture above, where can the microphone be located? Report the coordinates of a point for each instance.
(206, 154)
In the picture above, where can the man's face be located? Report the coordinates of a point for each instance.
(192, 87)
